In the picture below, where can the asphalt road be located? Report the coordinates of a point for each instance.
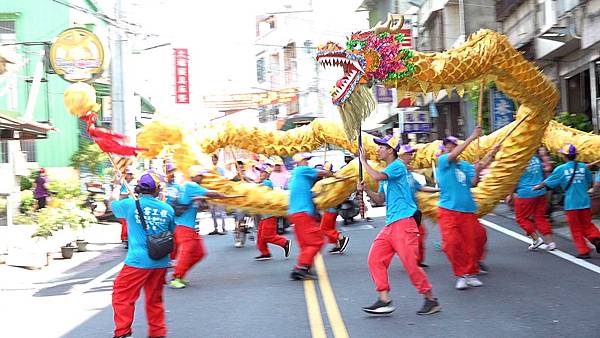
(526, 294)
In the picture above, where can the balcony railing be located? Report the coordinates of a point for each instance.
(505, 7)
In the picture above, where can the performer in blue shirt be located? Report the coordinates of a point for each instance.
(531, 203)
(141, 271)
(188, 243)
(575, 179)
(400, 236)
(302, 212)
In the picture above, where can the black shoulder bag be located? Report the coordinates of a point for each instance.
(159, 245)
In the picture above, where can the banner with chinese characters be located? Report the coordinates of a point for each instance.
(182, 84)
(415, 122)
(503, 109)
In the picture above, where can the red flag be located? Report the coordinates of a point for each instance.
(109, 141)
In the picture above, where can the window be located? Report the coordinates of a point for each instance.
(260, 70)
(566, 5)
(3, 151)
(28, 147)
(289, 59)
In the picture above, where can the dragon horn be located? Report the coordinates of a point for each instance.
(388, 25)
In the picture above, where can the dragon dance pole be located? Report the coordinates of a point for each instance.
(361, 201)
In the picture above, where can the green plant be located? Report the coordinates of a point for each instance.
(53, 219)
(575, 120)
(26, 203)
(473, 97)
(65, 189)
(89, 156)
(26, 183)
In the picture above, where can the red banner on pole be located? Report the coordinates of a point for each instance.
(182, 83)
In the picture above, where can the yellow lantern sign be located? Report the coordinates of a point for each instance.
(77, 55)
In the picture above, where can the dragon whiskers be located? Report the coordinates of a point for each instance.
(356, 109)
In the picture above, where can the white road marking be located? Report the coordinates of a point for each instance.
(582, 263)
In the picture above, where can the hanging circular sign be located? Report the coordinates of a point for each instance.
(77, 55)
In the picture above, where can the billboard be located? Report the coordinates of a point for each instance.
(182, 83)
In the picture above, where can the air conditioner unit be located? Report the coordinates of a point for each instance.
(20, 163)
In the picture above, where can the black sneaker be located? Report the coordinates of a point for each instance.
(224, 232)
(596, 243)
(302, 273)
(430, 307)
(380, 308)
(423, 265)
(262, 257)
(287, 248)
(584, 256)
(342, 243)
(214, 232)
(483, 269)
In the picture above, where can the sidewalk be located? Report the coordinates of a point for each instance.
(103, 239)
(558, 220)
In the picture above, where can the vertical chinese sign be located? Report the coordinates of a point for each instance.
(503, 109)
(182, 83)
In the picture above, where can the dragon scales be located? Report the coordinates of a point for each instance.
(486, 56)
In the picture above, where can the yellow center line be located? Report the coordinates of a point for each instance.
(333, 312)
(317, 328)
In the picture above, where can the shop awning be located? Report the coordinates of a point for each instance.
(12, 128)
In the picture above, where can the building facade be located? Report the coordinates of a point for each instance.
(563, 39)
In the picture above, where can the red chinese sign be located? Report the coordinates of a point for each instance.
(182, 83)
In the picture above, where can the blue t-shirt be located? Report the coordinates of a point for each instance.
(301, 183)
(576, 197)
(124, 191)
(399, 203)
(533, 175)
(414, 187)
(172, 192)
(158, 215)
(598, 176)
(188, 191)
(454, 179)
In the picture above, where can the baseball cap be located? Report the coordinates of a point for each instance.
(263, 168)
(130, 170)
(450, 139)
(568, 149)
(197, 170)
(170, 167)
(149, 182)
(406, 149)
(386, 141)
(42, 170)
(301, 156)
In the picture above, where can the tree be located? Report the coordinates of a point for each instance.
(90, 156)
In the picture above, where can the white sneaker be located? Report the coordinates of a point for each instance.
(536, 244)
(461, 283)
(473, 281)
(548, 247)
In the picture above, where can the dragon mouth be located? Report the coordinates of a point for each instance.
(353, 66)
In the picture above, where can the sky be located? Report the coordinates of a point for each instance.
(220, 36)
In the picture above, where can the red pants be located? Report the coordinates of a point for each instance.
(328, 227)
(267, 233)
(126, 290)
(580, 223)
(308, 235)
(123, 229)
(528, 208)
(463, 240)
(400, 238)
(422, 235)
(190, 250)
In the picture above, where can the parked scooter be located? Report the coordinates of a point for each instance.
(97, 200)
(349, 209)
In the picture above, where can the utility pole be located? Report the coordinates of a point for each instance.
(123, 110)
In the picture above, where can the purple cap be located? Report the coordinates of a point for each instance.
(385, 141)
(568, 149)
(170, 167)
(263, 168)
(149, 181)
(407, 149)
(450, 139)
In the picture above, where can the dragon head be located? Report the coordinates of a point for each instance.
(372, 56)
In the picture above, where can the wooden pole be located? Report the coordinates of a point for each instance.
(129, 191)
(480, 113)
